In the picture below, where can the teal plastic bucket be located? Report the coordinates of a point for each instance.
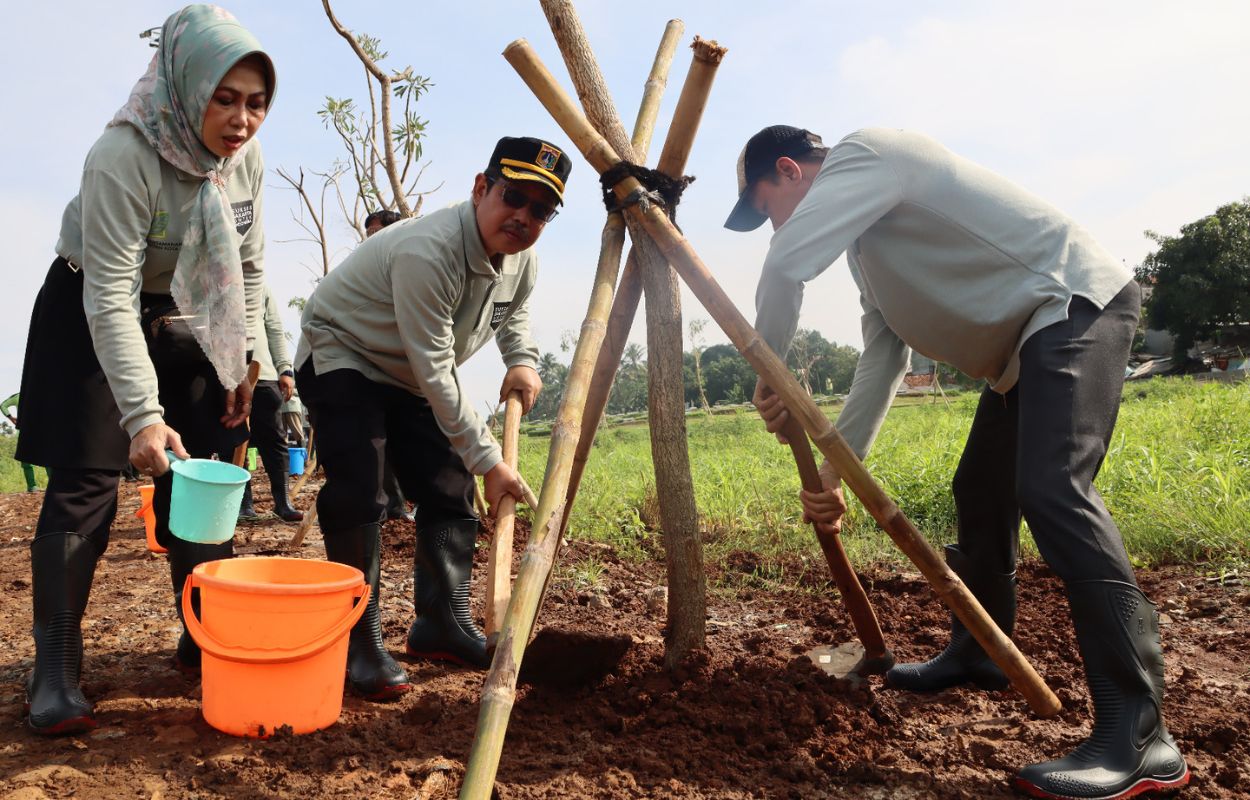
(204, 504)
(298, 456)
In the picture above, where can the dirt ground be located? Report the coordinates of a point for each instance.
(751, 717)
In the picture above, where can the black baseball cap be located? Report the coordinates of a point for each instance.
(758, 159)
(525, 158)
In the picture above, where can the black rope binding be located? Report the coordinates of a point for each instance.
(657, 188)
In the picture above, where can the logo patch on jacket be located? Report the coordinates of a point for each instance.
(242, 216)
(160, 225)
(498, 313)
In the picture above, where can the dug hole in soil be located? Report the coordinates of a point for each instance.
(749, 717)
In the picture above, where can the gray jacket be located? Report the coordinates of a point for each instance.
(950, 259)
(413, 302)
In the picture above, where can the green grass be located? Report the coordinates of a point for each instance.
(11, 479)
(1176, 479)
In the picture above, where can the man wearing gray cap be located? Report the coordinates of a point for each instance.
(965, 267)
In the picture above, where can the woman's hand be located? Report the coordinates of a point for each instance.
(147, 449)
(286, 386)
(502, 479)
(827, 507)
(524, 380)
(238, 405)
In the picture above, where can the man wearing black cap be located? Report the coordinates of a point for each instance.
(383, 336)
(967, 268)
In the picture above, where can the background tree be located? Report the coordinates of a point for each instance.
(1200, 280)
(381, 150)
(696, 327)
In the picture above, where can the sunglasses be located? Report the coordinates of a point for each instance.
(515, 198)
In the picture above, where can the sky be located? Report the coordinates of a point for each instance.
(1126, 115)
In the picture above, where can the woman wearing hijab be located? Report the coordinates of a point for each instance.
(138, 338)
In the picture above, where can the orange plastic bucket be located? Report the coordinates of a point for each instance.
(274, 641)
(148, 515)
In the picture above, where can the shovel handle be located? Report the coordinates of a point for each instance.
(853, 595)
(499, 568)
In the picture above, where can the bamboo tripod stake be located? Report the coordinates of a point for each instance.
(499, 689)
(499, 568)
(681, 132)
(774, 373)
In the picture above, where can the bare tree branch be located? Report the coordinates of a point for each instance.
(384, 82)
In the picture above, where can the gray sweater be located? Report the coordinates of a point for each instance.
(950, 259)
(124, 229)
(413, 302)
(270, 350)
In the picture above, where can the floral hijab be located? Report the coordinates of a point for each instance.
(198, 46)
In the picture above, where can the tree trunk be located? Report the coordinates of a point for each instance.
(666, 408)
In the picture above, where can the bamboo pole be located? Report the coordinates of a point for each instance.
(681, 133)
(682, 256)
(499, 567)
(666, 408)
(877, 657)
(499, 688)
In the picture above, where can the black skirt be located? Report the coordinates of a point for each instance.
(68, 416)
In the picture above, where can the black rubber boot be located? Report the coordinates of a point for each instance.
(62, 568)
(371, 672)
(444, 628)
(277, 467)
(963, 660)
(396, 507)
(184, 556)
(1130, 750)
(247, 510)
(281, 502)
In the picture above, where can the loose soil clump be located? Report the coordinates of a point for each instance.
(596, 714)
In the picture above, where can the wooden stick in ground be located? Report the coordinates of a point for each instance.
(303, 479)
(499, 567)
(666, 407)
(297, 541)
(877, 657)
(775, 373)
(499, 689)
(681, 133)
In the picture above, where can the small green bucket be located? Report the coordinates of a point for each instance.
(204, 503)
(251, 458)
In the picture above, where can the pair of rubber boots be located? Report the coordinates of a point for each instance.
(1130, 750)
(444, 628)
(282, 507)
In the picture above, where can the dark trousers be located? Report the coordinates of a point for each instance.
(358, 421)
(1036, 450)
(268, 435)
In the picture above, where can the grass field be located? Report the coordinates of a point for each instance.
(1177, 479)
(11, 479)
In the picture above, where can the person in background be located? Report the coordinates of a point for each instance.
(10, 407)
(969, 269)
(274, 386)
(396, 506)
(139, 336)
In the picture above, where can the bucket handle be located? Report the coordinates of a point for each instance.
(268, 655)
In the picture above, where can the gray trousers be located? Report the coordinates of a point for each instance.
(1036, 450)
